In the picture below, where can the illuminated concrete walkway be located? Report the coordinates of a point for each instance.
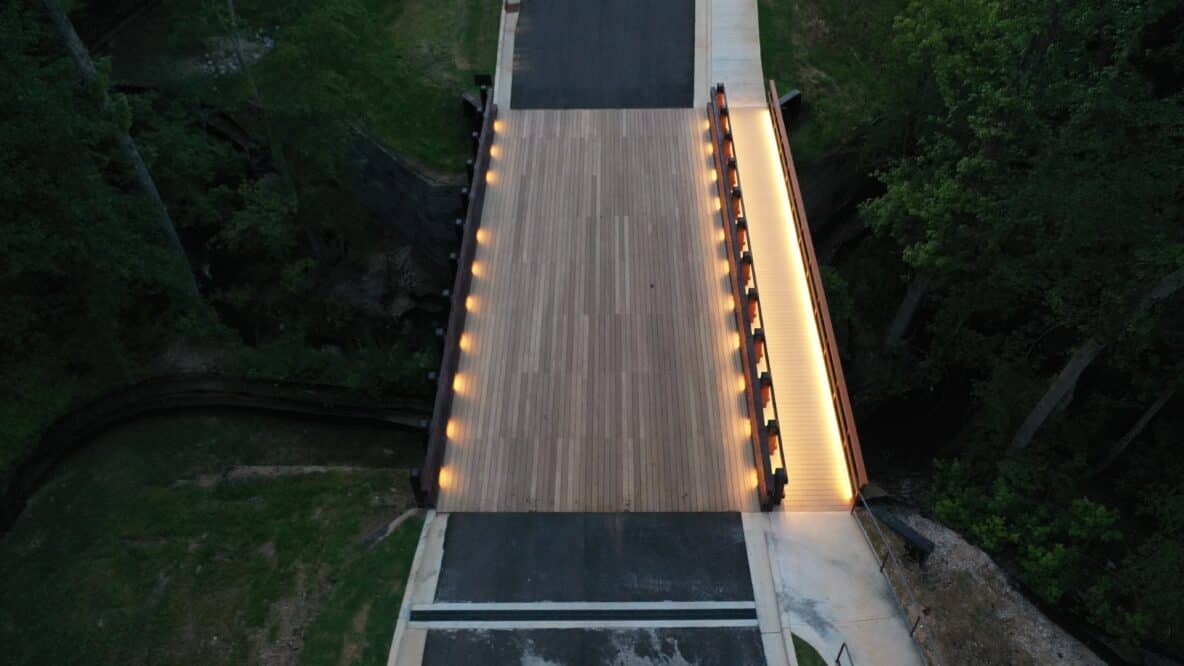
(818, 479)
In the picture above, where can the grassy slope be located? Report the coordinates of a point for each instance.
(125, 559)
(442, 43)
(435, 48)
(830, 50)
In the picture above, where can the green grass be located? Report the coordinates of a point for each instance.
(441, 44)
(805, 653)
(831, 50)
(126, 558)
(415, 59)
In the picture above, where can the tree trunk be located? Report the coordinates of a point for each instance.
(1136, 430)
(907, 310)
(1066, 381)
(1061, 387)
(86, 69)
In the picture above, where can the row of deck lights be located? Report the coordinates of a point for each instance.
(460, 383)
(761, 370)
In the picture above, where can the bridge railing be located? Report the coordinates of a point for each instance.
(894, 572)
(826, 334)
(474, 195)
(760, 394)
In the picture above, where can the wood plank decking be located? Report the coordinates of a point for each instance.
(599, 370)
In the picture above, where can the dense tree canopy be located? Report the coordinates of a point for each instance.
(1033, 195)
(250, 153)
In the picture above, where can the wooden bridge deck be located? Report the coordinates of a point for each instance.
(599, 369)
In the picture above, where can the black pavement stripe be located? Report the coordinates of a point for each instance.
(583, 614)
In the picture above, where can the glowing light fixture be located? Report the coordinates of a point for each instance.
(446, 477)
(482, 236)
(450, 429)
(466, 342)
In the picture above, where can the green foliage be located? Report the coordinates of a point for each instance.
(258, 187)
(806, 654)
(1031, 156)
(88, 284)
(380, 371)
(835, 52)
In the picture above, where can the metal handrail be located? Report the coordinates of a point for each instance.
(717, 112)
(890, 556)
(839, 657)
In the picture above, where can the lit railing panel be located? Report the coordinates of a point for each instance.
(760, 389)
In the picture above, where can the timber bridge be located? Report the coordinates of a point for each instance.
(642, 446)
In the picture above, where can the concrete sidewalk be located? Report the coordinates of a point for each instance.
(830, 589)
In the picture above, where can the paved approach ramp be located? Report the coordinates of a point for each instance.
(583, 588)
(604, 54)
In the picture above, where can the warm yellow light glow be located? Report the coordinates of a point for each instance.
(724, 268)
(714, 175)
(499, 125)
(491, 177)
(710, 149)
(466, 342)
(816, 447)
(748, 428)
(736, 340)
(740, 383)
(732, 306)
(495, 151)
(706, 124)
(756, 479)
(482, 236)
(446, 477)
(718, 205)
(450, 429)
(478, 269)
(471, 303)
(460, 384)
